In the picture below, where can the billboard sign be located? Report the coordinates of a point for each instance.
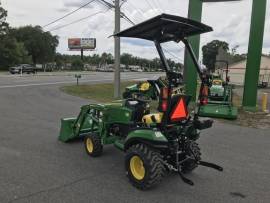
(81, 43)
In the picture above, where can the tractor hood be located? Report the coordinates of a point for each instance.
(217, 90)
(132, 87)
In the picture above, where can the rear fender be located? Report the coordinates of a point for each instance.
(152, 138)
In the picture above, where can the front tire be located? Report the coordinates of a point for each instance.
(144, 166)
(93, 145)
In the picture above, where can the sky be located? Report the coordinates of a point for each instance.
(230, 21)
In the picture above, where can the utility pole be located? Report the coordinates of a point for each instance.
(117, 51)
(82, 54)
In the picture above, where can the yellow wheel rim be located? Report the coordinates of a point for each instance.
(137, 168)
(89, 145)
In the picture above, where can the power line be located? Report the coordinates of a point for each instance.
(159, 6)
(110, 6)
(123, 15)
(138, 9)
(76, 21)
(68, 14)
(105, 3)
(171, 54)
(150, 5)
(153, 7)
(124, 1)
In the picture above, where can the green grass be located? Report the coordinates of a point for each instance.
(102, 93)
(96, 92)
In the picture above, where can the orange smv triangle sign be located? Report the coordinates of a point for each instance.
(180, 111)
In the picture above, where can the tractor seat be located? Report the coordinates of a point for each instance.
(217, 82)
(152, 118)
(138, 109)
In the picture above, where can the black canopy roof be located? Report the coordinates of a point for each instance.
(164, 28)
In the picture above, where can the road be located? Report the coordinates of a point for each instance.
(36, 167)
(10, 81)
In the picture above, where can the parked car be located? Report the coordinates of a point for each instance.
(14, 70)
(23, 68)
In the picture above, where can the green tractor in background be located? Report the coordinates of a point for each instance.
(153, 143)
(150, 89)
(217, 89)
(219, 103)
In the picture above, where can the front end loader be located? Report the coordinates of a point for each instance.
(153, 142)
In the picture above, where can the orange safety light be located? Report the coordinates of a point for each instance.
(205, 90)
(163, 102)
(164, 93)
(204, 95)
(180, 112)
(164, 105)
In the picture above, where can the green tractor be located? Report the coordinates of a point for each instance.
(220, 97)
(149, 89)
(153, 143)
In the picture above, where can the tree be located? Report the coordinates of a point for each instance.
(210, 52)
(59, 60)
(3, 24)
(77, 64)
(106, 58)
(41, 46)
(12, 52)
(126, 59)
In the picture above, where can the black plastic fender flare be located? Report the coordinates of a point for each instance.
(161, 145)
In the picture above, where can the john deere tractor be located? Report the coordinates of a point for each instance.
(153, 143)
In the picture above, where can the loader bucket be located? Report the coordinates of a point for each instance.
(66, 131)
(219, 111)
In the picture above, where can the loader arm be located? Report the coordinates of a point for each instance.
(77, 126)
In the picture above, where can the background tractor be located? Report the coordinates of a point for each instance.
(153, 143)
(220, 96)
(149, 89)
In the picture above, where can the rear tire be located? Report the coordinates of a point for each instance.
(93, 145)
(144, 167)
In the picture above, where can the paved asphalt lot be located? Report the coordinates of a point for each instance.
(36, 167)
